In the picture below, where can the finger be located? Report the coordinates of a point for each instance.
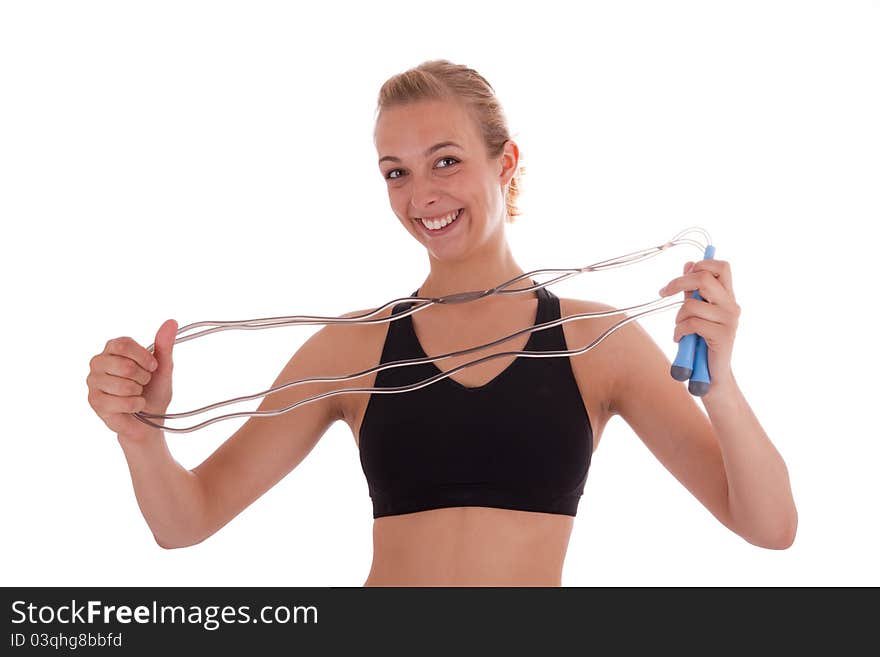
(165, 337)
(126, 368)
(115, 385)
(711, 289)
(711, 332)
(703, 282)
(720, 269)
(107, 403)
(696, 308)
(127, 347)
(687, 268)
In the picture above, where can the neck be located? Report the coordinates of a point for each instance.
(482, 270)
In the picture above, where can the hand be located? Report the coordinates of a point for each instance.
(716, 318)
(123, 380)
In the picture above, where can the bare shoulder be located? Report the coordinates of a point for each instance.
(355, 347)
(335, 351)
(593, 369)
(609, 354)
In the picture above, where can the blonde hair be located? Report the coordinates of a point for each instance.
(440, 79)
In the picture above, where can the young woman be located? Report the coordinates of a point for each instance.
(476, 478)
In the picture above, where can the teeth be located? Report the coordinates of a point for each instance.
(437, 224)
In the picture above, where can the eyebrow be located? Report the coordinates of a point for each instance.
(433, 148)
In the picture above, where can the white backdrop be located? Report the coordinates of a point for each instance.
(215, 161)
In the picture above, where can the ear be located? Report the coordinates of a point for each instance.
(509, 160)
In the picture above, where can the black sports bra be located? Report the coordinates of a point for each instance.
(522, 441)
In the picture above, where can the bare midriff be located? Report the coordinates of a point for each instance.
(469, 546)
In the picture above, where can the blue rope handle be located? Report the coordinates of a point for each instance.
(692, 360)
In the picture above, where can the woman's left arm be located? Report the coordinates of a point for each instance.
(759, 491)
(760, 499)
(725, 460)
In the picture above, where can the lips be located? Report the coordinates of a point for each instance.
(442, 231)
(439, 215)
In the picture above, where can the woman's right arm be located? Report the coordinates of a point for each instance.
(169, 495)
(184, 507)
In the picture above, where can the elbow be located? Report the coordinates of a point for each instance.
(167, 545)
(784, 538)
(782, 543)
(175, 545)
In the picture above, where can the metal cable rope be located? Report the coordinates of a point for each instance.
(461, 297)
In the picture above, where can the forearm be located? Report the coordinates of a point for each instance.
(761, 504)
(169, 496)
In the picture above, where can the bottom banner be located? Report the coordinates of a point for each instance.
(407, 620)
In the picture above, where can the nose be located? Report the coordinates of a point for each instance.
(422, 201)
(422, 210)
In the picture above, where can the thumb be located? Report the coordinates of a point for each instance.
(687, 266)
(164, 345)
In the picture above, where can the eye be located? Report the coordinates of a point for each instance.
(442, 159)
(447, 158)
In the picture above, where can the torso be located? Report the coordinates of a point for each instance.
(478, 545)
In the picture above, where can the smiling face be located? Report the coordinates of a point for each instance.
(434, 162)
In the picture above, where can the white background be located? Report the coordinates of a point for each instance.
(215, 161)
